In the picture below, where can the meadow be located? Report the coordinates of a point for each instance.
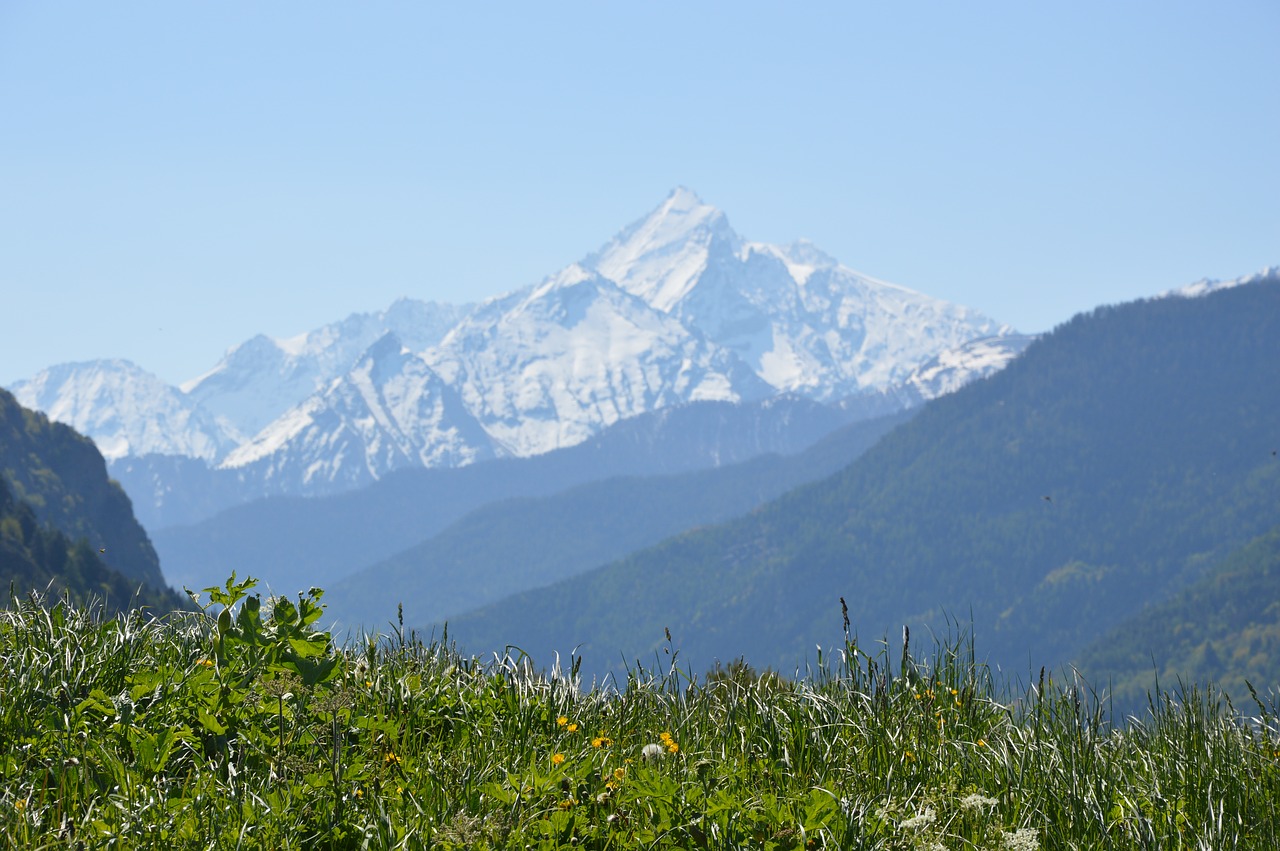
(244, 726)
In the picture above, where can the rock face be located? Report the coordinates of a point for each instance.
(676, 309)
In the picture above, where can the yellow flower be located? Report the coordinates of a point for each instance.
(910, 756)
(665, 737)
(572, 728)
(208, 663)
(982, 743)
(672, 747)
(601, 741)
(368, 683)
(561, 721)
(20, 804)
(390, 758)
(567, 803)
(557, 759)
(619, 773)
(359, 793)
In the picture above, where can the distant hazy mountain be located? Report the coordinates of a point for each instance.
(677, 308)
(293, 543)
(389, 411)
(126, 410)
(63, 523)
(262, 378)
(511, 545)
(1110, 466)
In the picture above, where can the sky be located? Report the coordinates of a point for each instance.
(177, 177)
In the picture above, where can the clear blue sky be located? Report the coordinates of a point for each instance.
(177, 176)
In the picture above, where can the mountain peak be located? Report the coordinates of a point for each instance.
(682, 198)
(659, 257)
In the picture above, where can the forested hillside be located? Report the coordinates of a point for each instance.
(517, 544)
(1224, 629)
(1108, 468)
(61, 474)
(63, 525)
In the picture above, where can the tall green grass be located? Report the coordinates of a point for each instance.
(250, 729)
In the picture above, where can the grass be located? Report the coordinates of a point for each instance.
(250, 729)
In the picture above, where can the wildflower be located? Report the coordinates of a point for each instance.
(557, 759)
(920, 821)
(368, 683)
(20, 804)
(572, 728)
(601, 742)
(982, 743)
(619, 773)
(391, 758)
(652, 752)
(359, 793)
(910, 757)
(207, 663)
(665, 737)
(566, 803)
(977, 801)
(561, 721)
(672, 747)
(1022, 839)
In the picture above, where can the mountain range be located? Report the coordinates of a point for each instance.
(1118, 462)
(676, 309)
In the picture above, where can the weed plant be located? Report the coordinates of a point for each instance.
(245, 727)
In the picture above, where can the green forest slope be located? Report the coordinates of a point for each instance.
(1111, 466)
(64, 526)
(1223, 629)
(517, 544)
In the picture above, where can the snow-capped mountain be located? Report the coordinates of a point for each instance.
(125, 409)
(1204, 286)
(954, 368)
(389, 411)
(677, 308)
(550, 366)
(802, 321)
(260, 379)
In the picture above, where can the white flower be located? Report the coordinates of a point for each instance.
(1022, 839)
(921, 820)
(653, 752)
(977, 801)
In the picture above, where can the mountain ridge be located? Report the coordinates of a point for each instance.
(1048, 500)
(676, 308)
